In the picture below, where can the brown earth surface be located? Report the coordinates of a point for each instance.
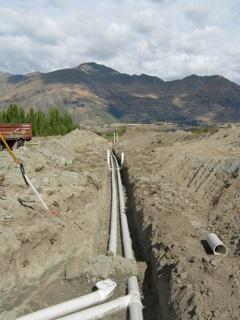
(48, 259)
(182, 186)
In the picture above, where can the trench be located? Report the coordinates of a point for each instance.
(156, 288)
(155, 285)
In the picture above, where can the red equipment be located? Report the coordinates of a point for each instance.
(15, 132)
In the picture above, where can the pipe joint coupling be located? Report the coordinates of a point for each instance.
(106, 288)
(135, 299)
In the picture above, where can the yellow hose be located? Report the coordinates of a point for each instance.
(9, 150)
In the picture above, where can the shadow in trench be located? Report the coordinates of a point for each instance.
(156, 285)
(141, 246)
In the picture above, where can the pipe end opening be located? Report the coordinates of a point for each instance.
(220, 250)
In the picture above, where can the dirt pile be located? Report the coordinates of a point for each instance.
(181, 186)
(39, 264)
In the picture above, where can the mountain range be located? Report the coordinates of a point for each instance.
(96, 94)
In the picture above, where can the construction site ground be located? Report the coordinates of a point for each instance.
(47, 258)
(180, 186)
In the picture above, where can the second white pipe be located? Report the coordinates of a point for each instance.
(105, 289)
(102, 310)
(135, 305)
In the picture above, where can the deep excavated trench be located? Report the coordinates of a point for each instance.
(155, 285)
(155, 293)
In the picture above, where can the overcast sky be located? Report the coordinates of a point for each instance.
(167, 38)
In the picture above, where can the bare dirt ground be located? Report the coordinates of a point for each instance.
(182, 186)
(47, 259)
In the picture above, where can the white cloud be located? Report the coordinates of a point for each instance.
(171, 39)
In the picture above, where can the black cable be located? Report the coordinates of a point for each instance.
(22, 170)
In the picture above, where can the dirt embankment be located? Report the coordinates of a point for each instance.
(181, 186)
(48, 259)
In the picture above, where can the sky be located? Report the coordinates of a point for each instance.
(170, 39)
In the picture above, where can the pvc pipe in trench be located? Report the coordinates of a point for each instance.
(136, 305)
(112, 245)
(127, 242)
(105, 290)
(216, 244)
(102, 310)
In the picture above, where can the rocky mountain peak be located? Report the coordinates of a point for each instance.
(93, 67)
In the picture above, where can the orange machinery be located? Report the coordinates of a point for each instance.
(15, 133)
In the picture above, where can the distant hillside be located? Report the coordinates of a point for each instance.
(96, 94)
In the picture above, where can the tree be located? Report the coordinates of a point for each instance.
(51, 123)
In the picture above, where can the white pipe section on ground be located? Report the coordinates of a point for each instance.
(105, 290)
(216, 244)
(114, 137)
(102, 310)
(122, 158)
(112, 245)
(35, 191)
(133, 288)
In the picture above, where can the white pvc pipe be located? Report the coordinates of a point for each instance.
(216, 244)
(105, 290)
(112, 245)
(135, 306)
(102, 310)
(133, 288)
(122, 158)
(35, 191)
(114, 137)
(127, 242)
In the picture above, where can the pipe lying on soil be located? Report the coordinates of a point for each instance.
(122, 158)
(105, 290)
(102, 310)
(216, 244)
